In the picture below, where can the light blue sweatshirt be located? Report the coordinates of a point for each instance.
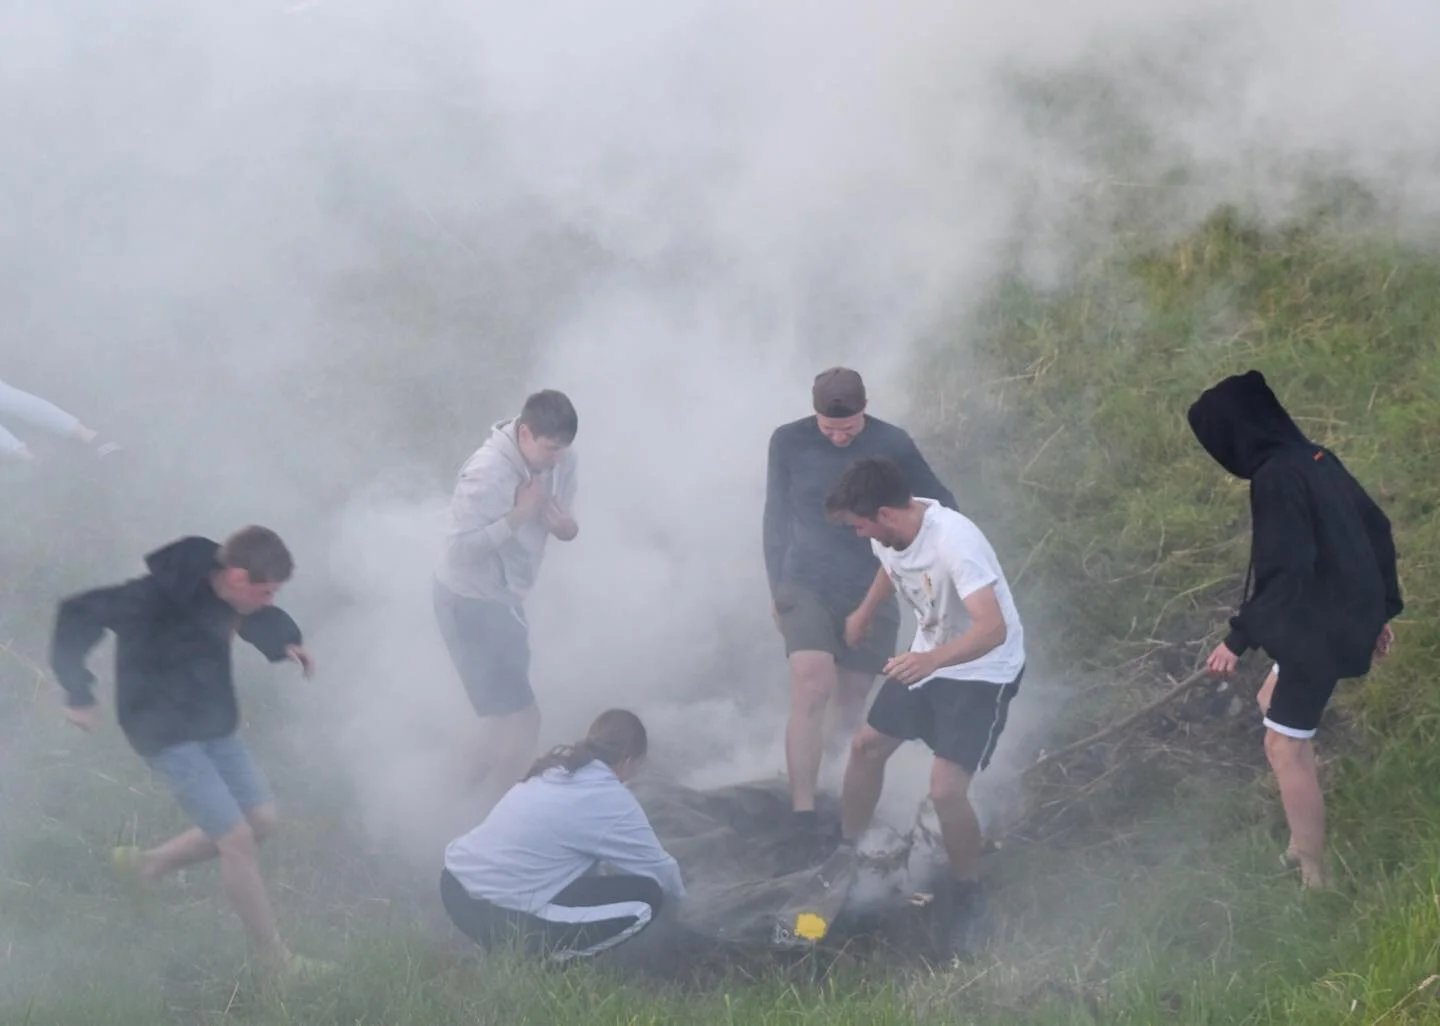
(549, 831)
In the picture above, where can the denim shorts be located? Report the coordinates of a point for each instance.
(216, 782)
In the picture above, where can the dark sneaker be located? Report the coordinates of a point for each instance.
(827, 827)
(808, 844)
(963, 920)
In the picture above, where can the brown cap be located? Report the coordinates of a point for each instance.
(839, 392)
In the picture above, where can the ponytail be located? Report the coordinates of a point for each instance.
(616, 735)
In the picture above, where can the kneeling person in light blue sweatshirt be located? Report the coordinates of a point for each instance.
(527, 869)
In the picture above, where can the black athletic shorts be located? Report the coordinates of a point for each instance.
(489, 644)
(960, 720)
(1297, 704)
(809, 622)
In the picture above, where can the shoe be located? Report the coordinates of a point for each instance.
(301, 967)
(808, 844)
(125, 861)
(964, 920)
(297, 969)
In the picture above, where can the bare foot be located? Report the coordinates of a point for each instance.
(1313, 875)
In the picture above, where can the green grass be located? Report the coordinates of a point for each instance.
(1161, 900)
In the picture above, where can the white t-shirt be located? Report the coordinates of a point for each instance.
(949, 560)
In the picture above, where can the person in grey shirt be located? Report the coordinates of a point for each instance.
(819, 572)
(513, 494)
(43, 414)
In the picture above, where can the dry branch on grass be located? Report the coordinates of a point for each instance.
(1119, 725)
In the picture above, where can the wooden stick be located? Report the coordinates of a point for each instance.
(1115, 728)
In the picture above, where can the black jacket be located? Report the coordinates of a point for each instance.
(1322, 556)
(802, 547)
(172, 650)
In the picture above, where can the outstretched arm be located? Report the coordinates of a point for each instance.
(277, 636)
(987, 631)
(632, 847)
(80, 622)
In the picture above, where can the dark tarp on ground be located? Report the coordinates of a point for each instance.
(730, 844)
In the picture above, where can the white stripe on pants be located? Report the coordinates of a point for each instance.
(576, 915)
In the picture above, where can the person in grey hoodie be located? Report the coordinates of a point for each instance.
(513, 494)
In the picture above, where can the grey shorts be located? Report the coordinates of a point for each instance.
(216, 782)
(810, 623)
(489, 644)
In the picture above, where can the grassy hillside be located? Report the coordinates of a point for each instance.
(1155, 897)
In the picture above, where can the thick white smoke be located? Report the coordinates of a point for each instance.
(292, 251)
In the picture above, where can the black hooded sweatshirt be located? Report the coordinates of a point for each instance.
(1322, 556)
(173, 680)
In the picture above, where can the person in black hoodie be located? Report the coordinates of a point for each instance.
(1320, 593)
(175, 700)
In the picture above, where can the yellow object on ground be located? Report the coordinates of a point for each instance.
(810, 926)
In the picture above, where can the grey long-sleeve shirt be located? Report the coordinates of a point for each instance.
(801, 546)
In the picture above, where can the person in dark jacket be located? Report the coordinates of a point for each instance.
(820, 572)
(175, 701)
(1321, 591)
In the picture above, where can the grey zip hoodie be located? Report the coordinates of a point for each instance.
(481, 556)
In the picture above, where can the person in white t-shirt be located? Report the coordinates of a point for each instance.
(954, 686)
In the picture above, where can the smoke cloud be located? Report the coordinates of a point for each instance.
(299, 258)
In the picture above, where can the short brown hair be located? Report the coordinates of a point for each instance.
(866, 486)
(551, 414)
(260, 553)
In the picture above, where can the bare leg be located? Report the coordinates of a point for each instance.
(1266, 692)
(506, 748)
(864, 779)
(813, 679)
(959, 826)
(193, 846)
(850, 697)
(1293, 760)
(240, 873)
